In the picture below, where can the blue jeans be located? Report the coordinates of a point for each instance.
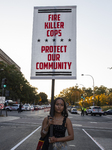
(60, 146)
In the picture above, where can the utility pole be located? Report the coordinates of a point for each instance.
(93, 84)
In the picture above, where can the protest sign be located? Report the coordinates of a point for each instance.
(54, 43)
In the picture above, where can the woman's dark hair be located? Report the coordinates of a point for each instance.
(64, 112)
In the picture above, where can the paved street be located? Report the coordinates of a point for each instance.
(21, 131)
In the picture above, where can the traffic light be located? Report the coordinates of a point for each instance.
(4, 82)
(81, 95)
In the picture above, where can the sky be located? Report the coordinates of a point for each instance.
(94, 40)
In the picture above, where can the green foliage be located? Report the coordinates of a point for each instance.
(17, 85)
(43, 97)
(72, 95)
(104, 108)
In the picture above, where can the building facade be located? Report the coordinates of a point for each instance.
(6, 59)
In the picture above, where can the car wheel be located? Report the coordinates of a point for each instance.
(100, 115)
(94, 114)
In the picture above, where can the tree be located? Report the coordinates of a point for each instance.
(17, 85)
(88, 91)
(110, 99)
(43, 96)
(100, 90)
(97, 98)
(72, 95)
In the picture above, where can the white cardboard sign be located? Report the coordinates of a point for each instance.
(2, 100)
(54, 43)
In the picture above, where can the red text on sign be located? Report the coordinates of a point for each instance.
(54, 17)
(53, 33)
(53, 57)
(54, 49)
(54, 25)
(53, 65)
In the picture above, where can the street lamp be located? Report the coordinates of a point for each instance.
(109, 68)
(83, 86)
(93, 84)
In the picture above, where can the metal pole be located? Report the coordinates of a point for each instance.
(2, 95)
(93, 87)
(93, 84)
(2, 91)
(93, 91)
(6, 112)
(52, 102)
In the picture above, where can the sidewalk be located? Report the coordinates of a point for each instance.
(8, 118)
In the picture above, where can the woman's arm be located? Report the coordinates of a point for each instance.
(45, 126)
(66, 138)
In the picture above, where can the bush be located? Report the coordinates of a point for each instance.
(104, 108)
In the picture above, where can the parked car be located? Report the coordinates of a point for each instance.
(40, 107)
(35, 107)
(22, 108)
(27, 107)
(8, 108)
(94, 110)
(73, 110)
(43, 106)
(32, 107)
(13, 107)
(108, 112)
(48, 106)
(69, 108)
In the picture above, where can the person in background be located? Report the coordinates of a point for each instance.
(19, 110)
(61, 123)
(82, 111)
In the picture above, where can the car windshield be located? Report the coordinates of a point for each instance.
(74, 109)
(97, 107)
(109, 110)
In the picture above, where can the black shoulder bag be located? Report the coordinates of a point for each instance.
(43, 143)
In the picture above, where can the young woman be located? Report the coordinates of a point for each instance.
(60, 122)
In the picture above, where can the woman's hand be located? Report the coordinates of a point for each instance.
(52, 139)
(50, 121)
(45, 126)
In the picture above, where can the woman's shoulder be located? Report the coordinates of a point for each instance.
(68, 120)
(45, 119)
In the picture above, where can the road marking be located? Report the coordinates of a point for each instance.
(25, 139)
(107, 117)
(79, 125)
(94, 140)
(70, 117)
(93, 122)
(72, 145)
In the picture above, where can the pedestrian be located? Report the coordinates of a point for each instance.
(19, 110)
(82, 111)
(61, 123)
(85, 111)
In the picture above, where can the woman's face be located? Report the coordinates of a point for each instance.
(59, 106)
